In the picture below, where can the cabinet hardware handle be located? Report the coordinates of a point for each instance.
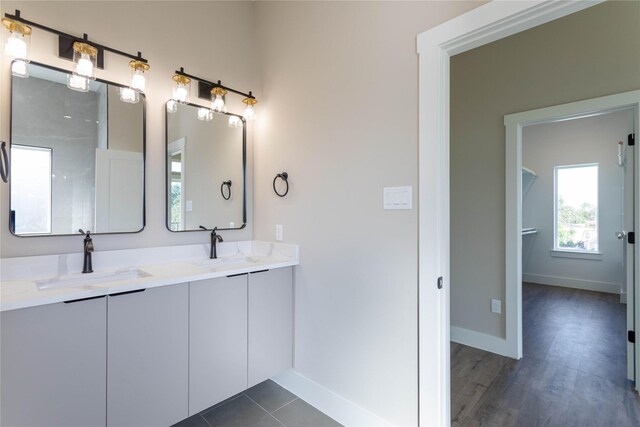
(83, 299)
(127, 292)
(259, 271)
(240, 274)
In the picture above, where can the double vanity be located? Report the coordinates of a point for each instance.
(153, 336)
(139, 337)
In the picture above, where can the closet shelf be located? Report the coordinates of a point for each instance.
(531, 230)
(527, 171)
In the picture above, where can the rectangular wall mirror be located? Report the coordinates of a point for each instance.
(205, 169)
(77, 157)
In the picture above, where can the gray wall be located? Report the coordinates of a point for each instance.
(592, 53)
(587, 140)
(339, 114)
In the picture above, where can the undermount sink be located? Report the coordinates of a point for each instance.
(226, 261)
(91, 279)
(217, 262)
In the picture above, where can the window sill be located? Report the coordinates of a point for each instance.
(594, 256)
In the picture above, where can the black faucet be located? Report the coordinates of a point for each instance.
(215, 238)
(88, 248)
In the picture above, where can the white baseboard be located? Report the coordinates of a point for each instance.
(567, 282)
(337, 407)
(481, 341)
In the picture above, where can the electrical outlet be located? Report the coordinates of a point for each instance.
(279, 232)
(496, 306)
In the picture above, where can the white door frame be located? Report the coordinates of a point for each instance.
(514, 123)
(485, 24)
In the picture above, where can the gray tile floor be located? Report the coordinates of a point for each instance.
(264, 405)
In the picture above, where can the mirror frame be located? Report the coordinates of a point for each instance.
(166, 170)
(143, 100)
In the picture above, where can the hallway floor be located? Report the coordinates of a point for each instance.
(573, 372)
(263, 405)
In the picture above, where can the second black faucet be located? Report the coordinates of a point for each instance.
(215, 238)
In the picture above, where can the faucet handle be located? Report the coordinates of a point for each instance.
(88, 233)
(203, 227)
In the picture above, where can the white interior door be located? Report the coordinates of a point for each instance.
(119, 191)
(628, 252)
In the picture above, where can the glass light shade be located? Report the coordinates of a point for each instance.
(19, 68)
(172, 106)
(18, 39)
(76, 82)
(129, 95)
(249, 113)
(205, 114)
(182, 88)
(85, 56)
(138, 76)
(235, 122)
(138, 81)
(218, 103)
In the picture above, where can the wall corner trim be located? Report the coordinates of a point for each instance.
(332, 404)
(482, 341)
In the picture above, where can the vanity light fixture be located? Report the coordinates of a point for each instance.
(87, 55)
(131, 94)
(217, 99)
(138, 78)
(216, 92)
(172, 106)
(182, 88)
(17, 45)
(249, 112)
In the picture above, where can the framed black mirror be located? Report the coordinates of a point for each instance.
(205, 169)
(77, 158)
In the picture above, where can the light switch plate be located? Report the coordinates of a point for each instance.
(189, 205)
(496, 306)
(279, 232)
(398, 197)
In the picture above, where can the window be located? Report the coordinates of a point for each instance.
(31, 189)
(576, 208)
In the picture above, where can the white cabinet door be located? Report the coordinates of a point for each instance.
(147, 357)
(53, 365)
(217, 340)
(270, 324)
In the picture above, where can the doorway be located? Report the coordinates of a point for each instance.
(518, 125)
(481, 26)
(575, 213)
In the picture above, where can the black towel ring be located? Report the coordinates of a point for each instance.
(228, 185)
(4, 163)
(285, 177)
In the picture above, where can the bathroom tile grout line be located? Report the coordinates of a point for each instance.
(270, 414)
(288, 403)
(205, 420)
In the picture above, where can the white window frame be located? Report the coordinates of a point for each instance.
(574, 253)
(48, 150)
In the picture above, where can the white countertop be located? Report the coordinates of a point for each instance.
(20, 277)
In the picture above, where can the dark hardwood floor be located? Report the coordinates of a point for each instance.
(573, 372)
